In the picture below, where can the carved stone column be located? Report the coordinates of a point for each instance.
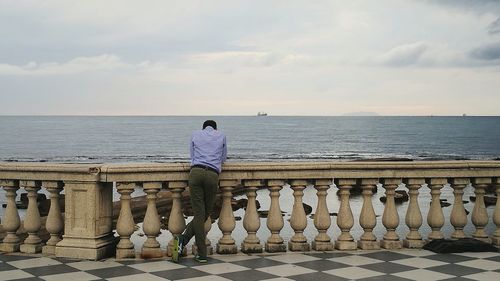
(458, 217)
(345, 219)
(32, 244)
(413, 217)
(151, 225)
(226, 244)
(322, 221)
(435, 217)
(125, 224)
(390, 218)
(251, 220)
(275, 222)
(11, 221)
(479, 214)
(88, 218)
(55, 222)
(176, 222)
(367, 218)
(298, 220)
(496, 215)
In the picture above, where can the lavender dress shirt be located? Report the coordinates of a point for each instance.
(208, 148)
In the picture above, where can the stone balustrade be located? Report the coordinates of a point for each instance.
(84, 228)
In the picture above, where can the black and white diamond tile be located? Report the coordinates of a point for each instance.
(358, 265)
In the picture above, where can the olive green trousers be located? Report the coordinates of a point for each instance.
(203, 186)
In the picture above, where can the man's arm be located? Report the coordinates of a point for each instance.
(191, 148)
(224, 150)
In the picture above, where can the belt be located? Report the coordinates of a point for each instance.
(205, 168)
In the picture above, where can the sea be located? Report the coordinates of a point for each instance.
(165, 139)
(99, 139)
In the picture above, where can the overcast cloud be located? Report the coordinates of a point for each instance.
(393, 57)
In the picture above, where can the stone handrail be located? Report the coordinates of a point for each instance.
(86, 229)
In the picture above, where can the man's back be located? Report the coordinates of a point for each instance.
(208, 148)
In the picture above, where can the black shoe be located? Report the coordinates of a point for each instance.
(178, 248)
(200, 259)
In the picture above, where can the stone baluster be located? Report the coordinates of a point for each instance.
(390, 218)
(413, 217)
(11, 221)
(496, 215)
(32, 244)
(435, 217)
(176, 221)
(125, 224)
(479, 215)
(251, 220)
(322, 219)
(367, 218)
(226, 244)
(298, 220)
(458, 217)
(275, 222)
(345, 219)
(151, 225)
(55, 222)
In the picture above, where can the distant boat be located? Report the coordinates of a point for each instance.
(464, 115)
(261, 113)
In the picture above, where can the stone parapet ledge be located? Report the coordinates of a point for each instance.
(306, 170)
(139, 172)
(50, 171)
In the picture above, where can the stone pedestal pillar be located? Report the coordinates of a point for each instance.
(55, 222)
(322, 221)
(496, 215)
(11, 221)
(226, 244)
(413, 217)
(367, 218)
(275, 222)
(32, 244)
(88, 221)
(479, 214)
(458, 217)
(251, 221)
(151, 224)
(298, 220)
(345, 219)
(390, 218)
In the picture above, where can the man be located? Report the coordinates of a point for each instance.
(208, 152)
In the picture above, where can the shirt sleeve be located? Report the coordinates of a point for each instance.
(224, 150)
(191, 148)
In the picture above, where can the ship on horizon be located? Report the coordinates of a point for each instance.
(261, 113)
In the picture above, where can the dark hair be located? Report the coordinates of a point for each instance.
(210, 123)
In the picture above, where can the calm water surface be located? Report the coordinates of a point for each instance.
(165, 139)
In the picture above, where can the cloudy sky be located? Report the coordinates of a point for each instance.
(393, 57)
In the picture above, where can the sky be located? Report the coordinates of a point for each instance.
(390, 57)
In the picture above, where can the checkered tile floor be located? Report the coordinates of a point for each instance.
(359, 265)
